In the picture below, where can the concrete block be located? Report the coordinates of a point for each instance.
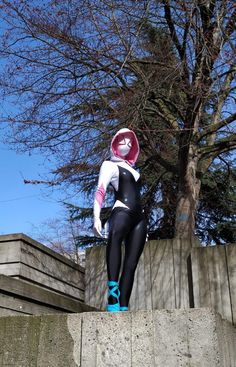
(185, 338)
(56, 345)
(143, 339)
(26, 259)
(19, 297)
(171, 338)
(106, 340)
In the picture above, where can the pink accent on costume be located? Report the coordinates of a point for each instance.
(134, 151)
(99, 196)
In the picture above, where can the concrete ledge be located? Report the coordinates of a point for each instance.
(171, 338)
(13, 237)
(23, 258)
(19, 297)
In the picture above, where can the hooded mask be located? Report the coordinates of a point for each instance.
(132, 156)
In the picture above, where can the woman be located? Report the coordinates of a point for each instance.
(126, 221)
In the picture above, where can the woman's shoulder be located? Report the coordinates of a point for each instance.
(109, 166)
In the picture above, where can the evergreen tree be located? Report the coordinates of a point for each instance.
(83, 69)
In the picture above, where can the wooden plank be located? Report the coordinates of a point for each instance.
(141, 298)
(162, 275)
(87, 277)
(45, 281)
(219, 286)
(101, 278)
(210, 279)
(195, 242)
(21, 289)
(201, 278)
(93, 290)
(195, 277)
(181, 251)
(98, 277)
(134, 298)
(147, 276)
(231, 262)
(137, 300)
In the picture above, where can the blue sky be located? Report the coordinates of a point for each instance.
(24, 207)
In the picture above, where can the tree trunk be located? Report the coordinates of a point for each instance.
(188, 196)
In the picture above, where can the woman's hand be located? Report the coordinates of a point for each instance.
(97, 227)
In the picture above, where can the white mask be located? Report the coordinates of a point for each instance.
(124, 147)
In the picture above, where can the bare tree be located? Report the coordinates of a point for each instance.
(61, 236)
(75, 66)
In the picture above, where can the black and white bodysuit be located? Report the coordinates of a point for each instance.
(126, 222)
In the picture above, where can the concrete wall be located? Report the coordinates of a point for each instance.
(161, 279)
(37, 280)
(171, 338)
(214, 279)
(23, 258)
(19, 297)
(172, 274)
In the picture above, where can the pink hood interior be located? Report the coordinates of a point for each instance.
(132, 157)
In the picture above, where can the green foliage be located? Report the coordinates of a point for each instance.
(217, 206)
(82, 70)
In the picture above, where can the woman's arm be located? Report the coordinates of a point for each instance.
(106, 173)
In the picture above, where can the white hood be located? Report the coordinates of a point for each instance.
(132, 156)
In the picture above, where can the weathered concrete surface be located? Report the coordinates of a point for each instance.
(171, 338)
(214, 279)
(20, 297)
(36, 280)
(24, 258)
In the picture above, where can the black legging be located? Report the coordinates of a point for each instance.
(125, 225)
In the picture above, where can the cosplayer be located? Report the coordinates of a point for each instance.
(126, 221)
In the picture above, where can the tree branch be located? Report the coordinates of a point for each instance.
(217, 126)
(180, 48)
(219, 147)
(163, 162)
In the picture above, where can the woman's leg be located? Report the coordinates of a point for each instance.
(134, 245)
(119, 226)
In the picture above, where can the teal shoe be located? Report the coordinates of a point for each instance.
(113, 290)
(124, 308)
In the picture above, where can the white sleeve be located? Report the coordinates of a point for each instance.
(107, 172)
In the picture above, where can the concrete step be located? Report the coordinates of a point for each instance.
(20, 297)
(161, 338)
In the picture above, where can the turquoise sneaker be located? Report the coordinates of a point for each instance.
(113, 290)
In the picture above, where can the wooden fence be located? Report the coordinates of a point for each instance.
(161, 279)
(214, 279)
(172, 274)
